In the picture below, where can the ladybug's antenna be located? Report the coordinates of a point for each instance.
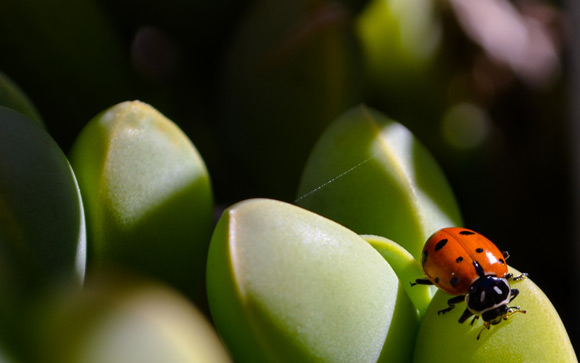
(486, 325)
(478, 269)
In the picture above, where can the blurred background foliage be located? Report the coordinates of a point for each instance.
(485, 85)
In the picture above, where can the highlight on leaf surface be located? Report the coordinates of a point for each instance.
(370, 174)
(285, 284)
(147, 194)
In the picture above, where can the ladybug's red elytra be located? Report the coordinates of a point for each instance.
(462, 262)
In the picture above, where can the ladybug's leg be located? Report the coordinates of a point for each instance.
(421, 282)
(520, 277)
(513, 294)
(452, 302)
(510, 276)
(475, 318)
(466, 314)
(512, 310)
(506, 255)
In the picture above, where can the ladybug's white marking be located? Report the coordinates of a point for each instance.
(480, 293)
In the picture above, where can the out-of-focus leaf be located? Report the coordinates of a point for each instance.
(120, 319)
(291, 70)
(400, 39)
(13, 97)
(402, 47)
(42, 226)
(67, 57)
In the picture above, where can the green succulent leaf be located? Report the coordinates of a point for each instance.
(536, 336)
(117, 318)
(147, 195)
(406, 268)
(370, 174)
(42, 227)
(287, 285)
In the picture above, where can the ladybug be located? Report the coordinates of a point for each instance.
(462, 262)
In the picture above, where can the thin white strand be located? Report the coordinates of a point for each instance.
(333, 179)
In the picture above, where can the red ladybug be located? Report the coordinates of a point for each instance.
(462, 262)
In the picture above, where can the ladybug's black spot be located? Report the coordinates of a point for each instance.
(440, 244)
(479, 250)
(466, 233)
(437, 280)
(459, 259)
(501, 261)
(453, 281)
(424, 258)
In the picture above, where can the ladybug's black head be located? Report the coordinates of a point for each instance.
(489, 296)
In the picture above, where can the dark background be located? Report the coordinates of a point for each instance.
(515, 179)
